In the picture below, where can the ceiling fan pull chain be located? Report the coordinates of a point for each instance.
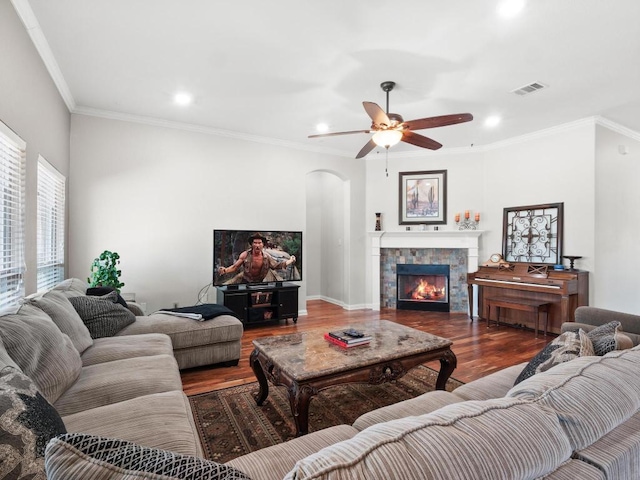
(386, 167)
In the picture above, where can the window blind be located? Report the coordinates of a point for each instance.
(51, 216)
(12, 183)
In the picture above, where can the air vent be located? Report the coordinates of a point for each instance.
(530, 88)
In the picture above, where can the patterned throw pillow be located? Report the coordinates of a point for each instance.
(96, 457)
(27, 424)
(562, 349)
(608, 337)
(101, 315)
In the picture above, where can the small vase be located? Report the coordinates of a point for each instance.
(378, 222)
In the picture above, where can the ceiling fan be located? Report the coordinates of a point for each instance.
(390, 128)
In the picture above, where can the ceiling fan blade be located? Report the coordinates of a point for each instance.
(376, 113)
(420, 140)
(367, 148)
(338, 133)
(441, 121)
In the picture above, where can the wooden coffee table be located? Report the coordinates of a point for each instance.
(306, 363)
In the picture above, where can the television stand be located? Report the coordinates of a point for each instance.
(261, 304)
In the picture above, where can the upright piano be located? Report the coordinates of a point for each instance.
(564, 290)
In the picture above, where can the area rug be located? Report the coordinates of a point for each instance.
(230, 423)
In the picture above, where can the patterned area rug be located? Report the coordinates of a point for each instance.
(230, 423)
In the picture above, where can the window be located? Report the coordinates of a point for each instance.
(51, 199)
(12, 168)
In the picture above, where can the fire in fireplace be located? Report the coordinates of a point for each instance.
(422, 287)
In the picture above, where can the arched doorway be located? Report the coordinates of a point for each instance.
(327, 237)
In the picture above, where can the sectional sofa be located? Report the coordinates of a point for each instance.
(121, 403)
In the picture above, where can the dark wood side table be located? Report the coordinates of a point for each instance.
(306, 363)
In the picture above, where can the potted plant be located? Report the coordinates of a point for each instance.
(104, 271)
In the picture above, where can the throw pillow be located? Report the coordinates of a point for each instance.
(101, 315)
(87, 456)
(100, 291)
(608, 337)
(41, 350)
(55, 304)
(28, 423)
(562, 349)
(72, 287)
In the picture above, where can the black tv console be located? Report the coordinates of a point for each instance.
(261, 304)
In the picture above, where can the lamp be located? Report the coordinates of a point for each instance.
(387, 138)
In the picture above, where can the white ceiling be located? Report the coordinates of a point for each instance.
(275, 69)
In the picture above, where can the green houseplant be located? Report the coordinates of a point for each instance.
(104, 271)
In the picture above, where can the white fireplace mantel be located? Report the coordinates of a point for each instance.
(464, 239)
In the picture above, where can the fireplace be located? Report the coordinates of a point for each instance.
(422, 287)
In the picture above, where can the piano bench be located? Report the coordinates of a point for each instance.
(522, 304)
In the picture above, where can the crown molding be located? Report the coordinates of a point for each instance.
(616, 127)
(32, 26)
(125, 117)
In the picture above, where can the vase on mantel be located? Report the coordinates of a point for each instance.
(378, 222)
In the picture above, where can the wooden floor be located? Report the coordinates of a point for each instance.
(480, 350)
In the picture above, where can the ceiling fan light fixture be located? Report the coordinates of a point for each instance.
(387, 138)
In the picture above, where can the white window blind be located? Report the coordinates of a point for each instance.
(12, 173)
(51, 206)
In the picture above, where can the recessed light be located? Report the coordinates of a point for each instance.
(492, 121)
(322, 127)
(183, 98)
(510, 8)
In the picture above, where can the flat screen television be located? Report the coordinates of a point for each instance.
(250, 257)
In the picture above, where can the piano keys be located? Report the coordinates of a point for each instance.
(565, 290)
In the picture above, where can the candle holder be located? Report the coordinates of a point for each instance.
(466, 223)
(571, 258)
(378, 222)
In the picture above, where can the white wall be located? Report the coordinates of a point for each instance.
(155, 194)
(32, 107)
(543, 168)
(327, 202)
(617, 228)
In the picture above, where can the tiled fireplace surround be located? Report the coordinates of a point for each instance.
(456, 248)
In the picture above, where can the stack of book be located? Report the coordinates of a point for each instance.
(347, 338)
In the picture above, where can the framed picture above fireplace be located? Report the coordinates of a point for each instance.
(423, 198)
(533, 234)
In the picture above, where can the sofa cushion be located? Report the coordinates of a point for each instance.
(41, 350)
(5, 359)
(185, 332)
(609, 337)
(160, 420)
(425, 403)
(275, 461)
(77, 455)
(565, 347)
(108, 349)
(55, 304)
(72, 287)
(495, 385)
(102, 315)
(498, 438)
(27, 423)
(617, 453)
(590, 395)
(120, 380)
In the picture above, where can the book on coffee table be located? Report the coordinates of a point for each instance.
(350, 336)
(342, 344)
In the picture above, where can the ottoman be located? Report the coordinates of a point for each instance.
(195, 343)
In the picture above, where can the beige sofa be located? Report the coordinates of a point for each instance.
(126, 386)
(577, 420)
